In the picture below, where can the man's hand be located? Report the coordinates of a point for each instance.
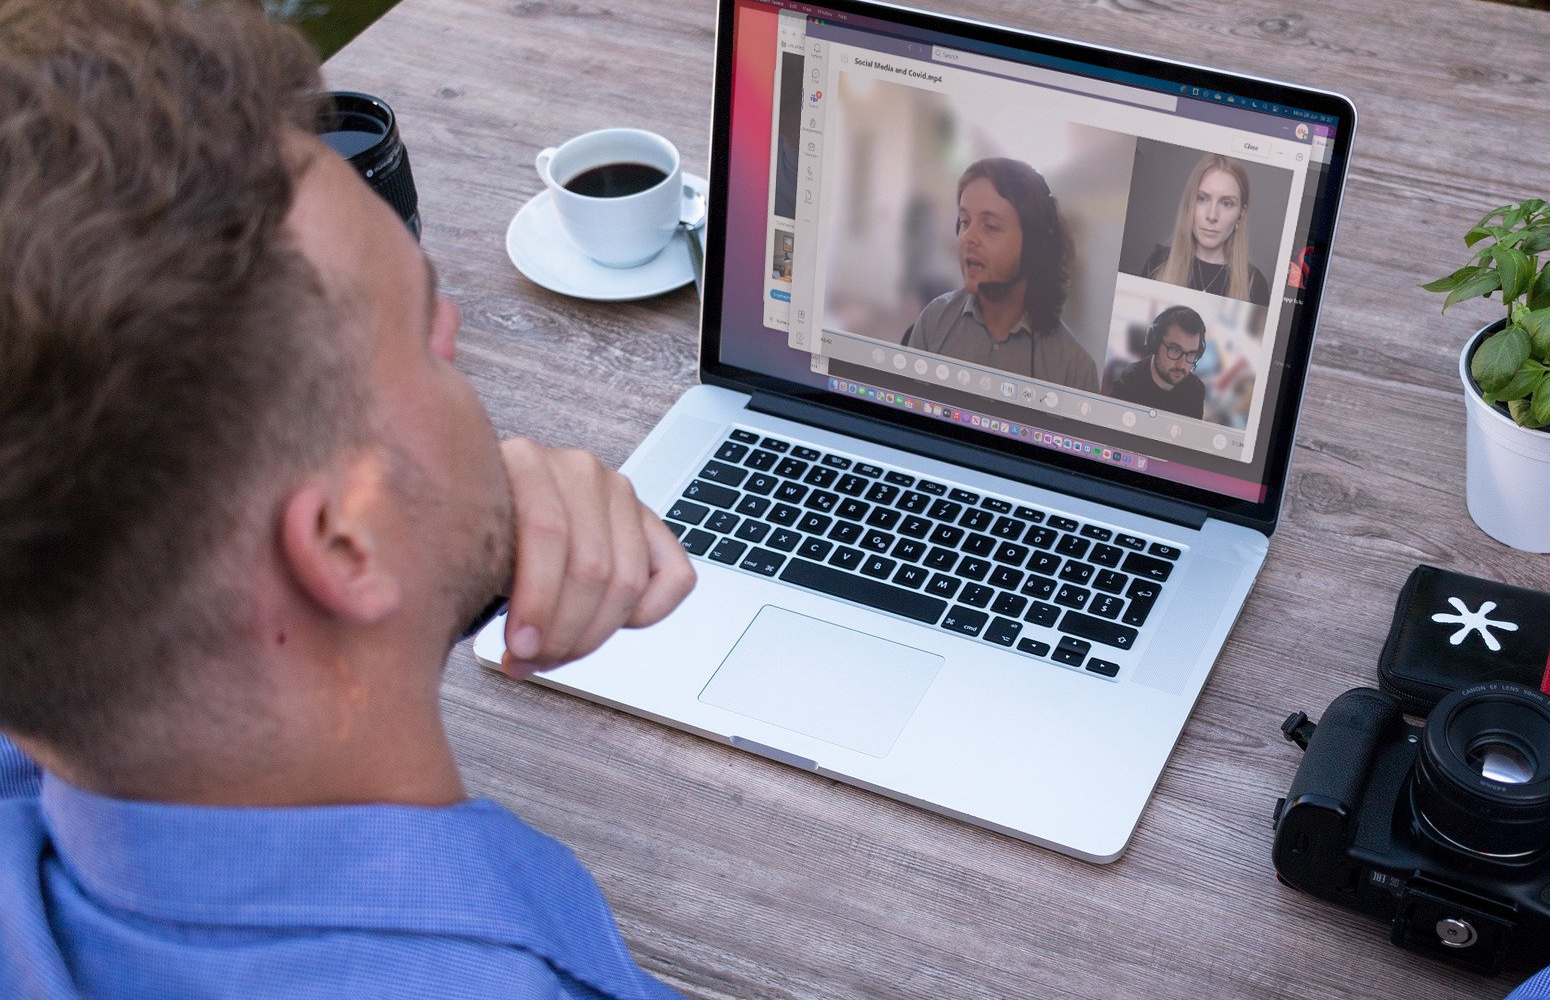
(590, 558)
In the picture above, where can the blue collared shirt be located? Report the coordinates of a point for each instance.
(102, 897)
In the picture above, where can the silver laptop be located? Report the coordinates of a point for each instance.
(1003, 343)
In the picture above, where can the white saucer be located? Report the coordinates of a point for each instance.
(539, 248)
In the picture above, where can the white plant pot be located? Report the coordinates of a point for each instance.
(1508, 468)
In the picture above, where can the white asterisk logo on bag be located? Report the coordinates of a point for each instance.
(1474, 621)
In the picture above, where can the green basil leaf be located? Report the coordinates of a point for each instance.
(1453, 280)
(1482, 284)
(1522, 384)
(1539, 411)
(1475, 235)
(1493, 213)
(1498, 359)
(1513, 218)
(1539, 295)
(1536, 323)
(1519, 408)
(1533, 206)
(1517, 272)
(1537, 240)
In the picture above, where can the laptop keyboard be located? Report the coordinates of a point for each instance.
(1035, 580)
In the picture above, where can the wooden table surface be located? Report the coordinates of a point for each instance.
(736, 877)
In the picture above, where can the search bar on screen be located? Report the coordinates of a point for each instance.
(1050, 78)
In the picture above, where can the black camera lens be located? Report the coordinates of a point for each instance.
(1482, 779)
(364, 130)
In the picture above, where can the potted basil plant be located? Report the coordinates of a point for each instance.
(1505, 368)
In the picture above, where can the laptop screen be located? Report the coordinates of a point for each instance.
(1086, 258)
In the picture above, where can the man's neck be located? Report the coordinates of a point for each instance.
(1161, 382)
(1002, 312)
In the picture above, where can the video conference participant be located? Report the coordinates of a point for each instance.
(1210, 247)
(1165, 379)
(1015, 253)
(248, 504)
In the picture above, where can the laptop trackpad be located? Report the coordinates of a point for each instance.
(821, 680)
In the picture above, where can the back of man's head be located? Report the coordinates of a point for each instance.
(171, 362)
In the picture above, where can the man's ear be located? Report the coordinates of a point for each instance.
(333, 538)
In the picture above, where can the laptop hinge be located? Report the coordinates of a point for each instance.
(980, 459)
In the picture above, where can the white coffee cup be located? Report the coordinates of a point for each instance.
(623, 230)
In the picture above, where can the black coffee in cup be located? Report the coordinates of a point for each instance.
(616, 180)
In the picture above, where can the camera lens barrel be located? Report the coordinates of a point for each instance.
(1482, 778)
(363, 129)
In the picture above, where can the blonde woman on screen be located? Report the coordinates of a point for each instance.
(1210, 248)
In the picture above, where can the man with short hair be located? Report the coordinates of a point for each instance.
(1165, 378)
(248, 506)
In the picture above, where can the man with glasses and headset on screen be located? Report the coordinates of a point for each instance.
(1164, 379)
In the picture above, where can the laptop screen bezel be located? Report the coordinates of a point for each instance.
(917, 428)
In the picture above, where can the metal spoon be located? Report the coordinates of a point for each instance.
(691, 223)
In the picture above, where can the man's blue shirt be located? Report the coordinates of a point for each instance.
(102, 897)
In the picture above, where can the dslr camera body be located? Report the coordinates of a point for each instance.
(1443, 829)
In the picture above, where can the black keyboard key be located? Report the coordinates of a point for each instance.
(1136, 614)
(761, 460)
(814, 524)
(964, 496)
(882, 493)
(1107, 555)
(676, 528)
(752, 531)
(873, 593)
(820, 476)
(977, 519)
(899, 479)
(976, 595)
(790, 492)
(996, 504)
(945, 510)
(940, 558)
(728, 550)
(914, 503)
(1143, 590)
(836, 462)
(1037, 586)
(1033, 647)
(847, 558)
(716, 496)
(1072, 596)
(909, 550)
(851, 486)
(946, 534)
(1041, 538)
(785, 515)
(1006, 578)
(722, 523)
(846, 532)
(1029, 514)
(1007, 527)
(1010, 553)
(1002, 631)
(698, 542)
(1093, 531)
(1042, 614)
(822, 500)
(1146, 566)
(731, 451)
(943, 585)
(775, 444)
(761, 484)
(910, 576)
(979, 545)
(1098, 630)
(1105, 667)
(1044, 562)
(883, 517)
(973, 569)
(965, 620)
(815, 549)
(870, 471)
(747, 437)
(877, 541)
(1106, 606)
(752, 506)
(852, 509)
(784, 540)
(935, 489)
(1109, 581)
(1071, 651)
(762, 561)
(915, 527)
(879, 567)
(790, 468)
(1074, 546)
(1062, 523)
(689, 513)
(1164, 551)
(1009, 604)
(1131, 542)
(1076, 572)
(805, 454)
